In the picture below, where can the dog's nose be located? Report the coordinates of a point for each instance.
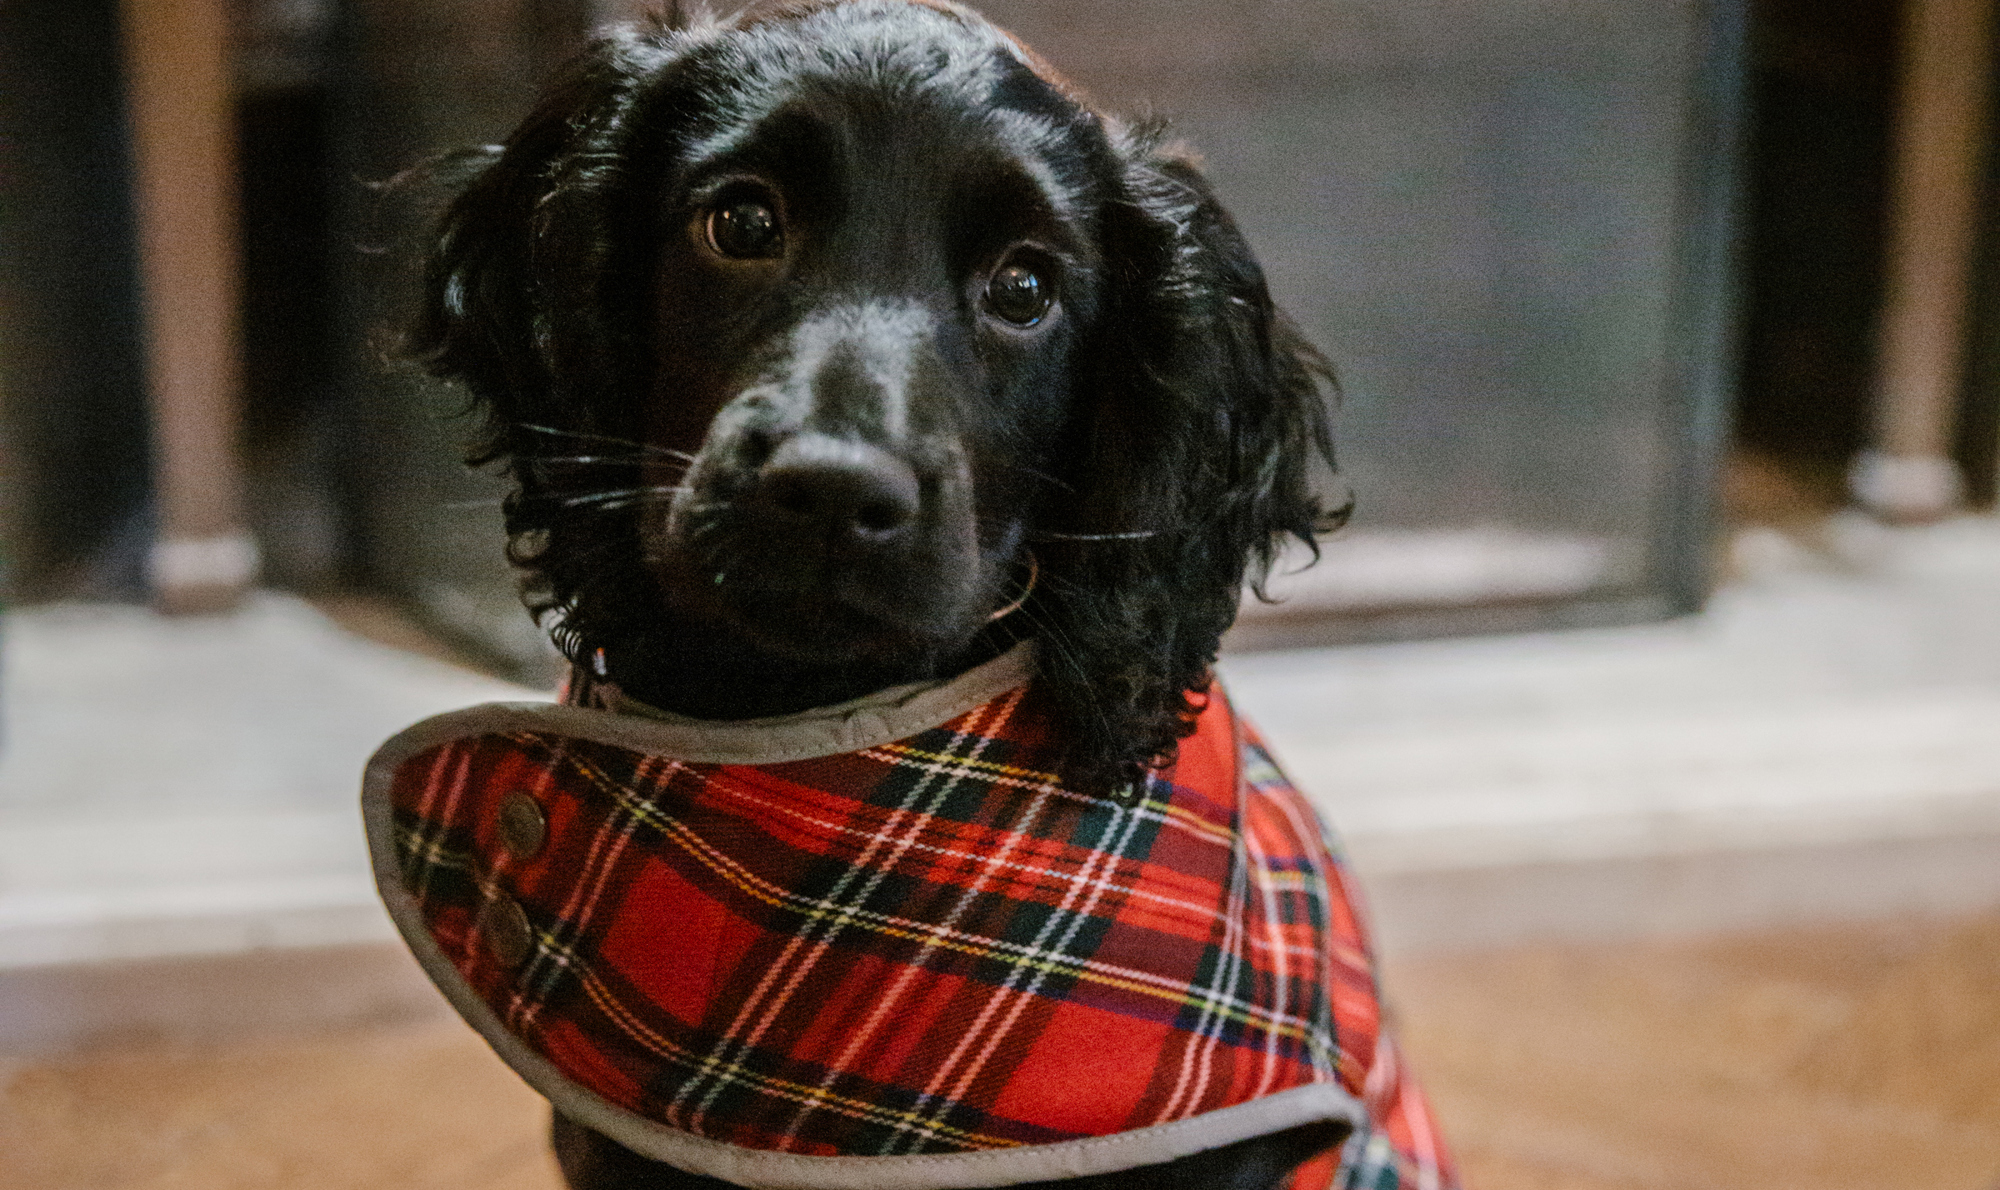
(848, 490)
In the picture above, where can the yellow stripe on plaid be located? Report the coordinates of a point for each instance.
(734, 1072)
(1035, 778)
(938, 762)
(997, 950)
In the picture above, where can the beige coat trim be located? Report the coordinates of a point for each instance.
(869, 722)
(769, 1170)
(865, 723)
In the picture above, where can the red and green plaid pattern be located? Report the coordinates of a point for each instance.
(928, 946)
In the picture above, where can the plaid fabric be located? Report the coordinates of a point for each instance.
(929, 946)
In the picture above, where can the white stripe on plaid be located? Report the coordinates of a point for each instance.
(1197, 1057)
(833, 918)
(1221, 1004)
(1103, 857)
(1274, 941)
(556, 954)
(1315, 893)
(429, 845)
(1220, 1000)
(723, 864)
(913, 965)
(776, 808)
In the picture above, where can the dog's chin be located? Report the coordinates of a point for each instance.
(823, 631)
(829, 623)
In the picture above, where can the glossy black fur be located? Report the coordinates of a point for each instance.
(1146, 453)
(679, 423)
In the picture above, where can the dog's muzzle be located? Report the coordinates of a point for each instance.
(845, 495)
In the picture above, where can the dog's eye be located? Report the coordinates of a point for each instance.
(746, 229)
(1019, 295)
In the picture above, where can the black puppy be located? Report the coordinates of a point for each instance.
(817, 338)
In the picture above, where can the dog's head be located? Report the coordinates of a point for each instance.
(813, 336)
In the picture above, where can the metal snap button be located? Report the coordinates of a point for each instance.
(523, 826)
(503, 926)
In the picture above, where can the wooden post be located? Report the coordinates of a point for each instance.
(1909, 474)
(183, 137)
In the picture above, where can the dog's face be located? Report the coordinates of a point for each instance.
(811, 335)
(874, 276)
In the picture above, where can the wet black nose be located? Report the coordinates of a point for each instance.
(839, 489)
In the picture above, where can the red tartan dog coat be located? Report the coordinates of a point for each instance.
(884, 945)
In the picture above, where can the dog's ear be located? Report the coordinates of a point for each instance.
(526, 297)
(1206, 417)
(535, 299)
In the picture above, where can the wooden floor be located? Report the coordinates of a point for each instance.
(1829, 1060)
(425, 1108)
(1822, 1060)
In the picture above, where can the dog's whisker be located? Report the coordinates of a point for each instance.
(621, 495)
(610, 460)
(1134, 535)
(585, 435)
(618, 505)
(1044, 476)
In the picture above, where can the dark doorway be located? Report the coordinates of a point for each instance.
(1822, 90)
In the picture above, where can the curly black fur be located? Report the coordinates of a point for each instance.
(1179, 478)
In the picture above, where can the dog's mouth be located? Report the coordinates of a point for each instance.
(824, 551)
(811, 604)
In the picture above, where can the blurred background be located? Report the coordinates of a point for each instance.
(1655, 688)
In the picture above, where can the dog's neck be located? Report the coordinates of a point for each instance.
(705, 675)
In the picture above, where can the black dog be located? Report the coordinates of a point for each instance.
(815, 337)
